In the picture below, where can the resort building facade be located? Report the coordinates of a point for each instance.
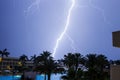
(115, 72)
(8, 63)
(116, 39)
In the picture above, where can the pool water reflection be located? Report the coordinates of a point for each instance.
(38, 77)
(17, 77)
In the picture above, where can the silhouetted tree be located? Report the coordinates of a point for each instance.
(46, 64)
(96, 65)
(73, 62)
(34, 59)
(23, 58)
(69, 60)
(116, 62)
(4, 53)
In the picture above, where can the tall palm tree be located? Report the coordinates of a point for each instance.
(72, 61)
(116, 62)
(34, 59)
(23, 58)
(69, 60)
(91, 62)
(96, 65)
(78, 60)
(102, 64)
(46, 64)
(2, 53)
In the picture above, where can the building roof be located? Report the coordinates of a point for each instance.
(10, 57)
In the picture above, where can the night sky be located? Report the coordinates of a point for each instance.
(32, 26)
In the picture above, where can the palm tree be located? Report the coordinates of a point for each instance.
(46, 64)
(102, 64)
(72, 61)
(96, 65)
(23, 58)
(50, 66)
(34, 59)
(91, 62)
(69, 60)
(116, 62)
(2, 53)
(78, 60)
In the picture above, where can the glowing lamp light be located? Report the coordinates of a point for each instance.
(0, 59)
(8, 67)
(19, 63)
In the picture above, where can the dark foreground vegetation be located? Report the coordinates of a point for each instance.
(74, 66)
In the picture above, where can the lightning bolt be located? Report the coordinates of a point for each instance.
(102, 11)
(34, 4)
(72, 42)
(68, 20)
(66, 27)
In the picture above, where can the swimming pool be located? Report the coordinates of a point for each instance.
(38, 77)
(17, 77)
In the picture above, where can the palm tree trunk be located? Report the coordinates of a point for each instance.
(49, 76)
(45, 77)
(2, 64)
